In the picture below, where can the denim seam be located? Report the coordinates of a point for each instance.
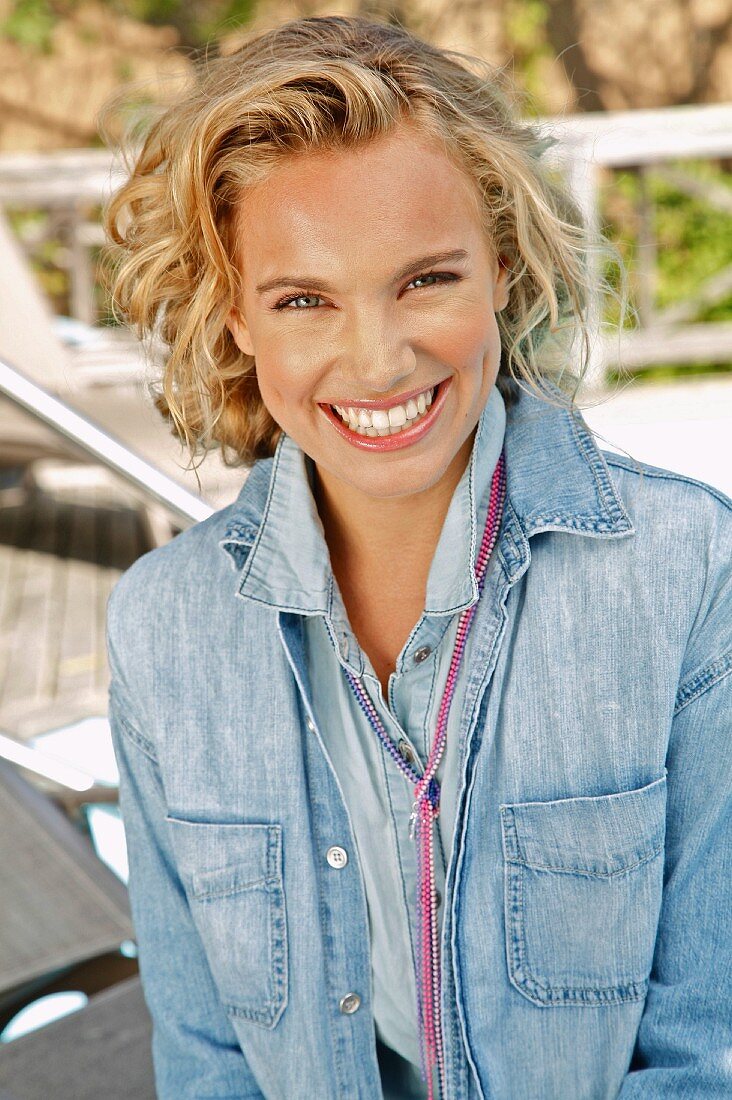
(137, 738)
(520, 970)
(278, 918)
(541, 992)
(282, 606)
(273, 1008)
(326, 910)
(263, 522)
(668, 475)
(702, 680)
(605, 488)
(239, 888)
(520, 547)
(582, 872)
(601, 798)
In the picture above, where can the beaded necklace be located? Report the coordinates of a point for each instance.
(426, 808)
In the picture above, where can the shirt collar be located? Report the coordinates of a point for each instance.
(557, 480)
(451, 584)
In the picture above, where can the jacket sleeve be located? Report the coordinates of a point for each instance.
(195, 1051)
(684, 1042)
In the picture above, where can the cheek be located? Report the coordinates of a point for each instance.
(466, 343)
(285, 378)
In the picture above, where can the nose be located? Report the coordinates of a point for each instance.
(378, 357)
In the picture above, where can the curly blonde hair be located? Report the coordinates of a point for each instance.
(328, 83)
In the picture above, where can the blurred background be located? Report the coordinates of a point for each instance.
(639, 95)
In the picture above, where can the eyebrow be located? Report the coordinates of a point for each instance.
(412, 268)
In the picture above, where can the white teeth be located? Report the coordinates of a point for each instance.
(385, 421)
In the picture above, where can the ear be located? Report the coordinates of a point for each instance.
(237, 326)
(500, 287)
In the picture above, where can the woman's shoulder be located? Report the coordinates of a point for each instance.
(165, 565)
(670, 510)
(683, 536)
(197, 554)
(677, 519)
(665, 487)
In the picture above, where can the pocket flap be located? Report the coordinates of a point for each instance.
(218, 858)
(600, 835)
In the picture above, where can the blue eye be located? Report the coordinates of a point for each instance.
(294, 298)
(440, 276)
(444, 276)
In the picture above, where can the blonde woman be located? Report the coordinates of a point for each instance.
(423, 741)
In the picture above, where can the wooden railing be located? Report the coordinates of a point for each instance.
(73, 185)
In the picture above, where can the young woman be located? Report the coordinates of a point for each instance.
(423, 742)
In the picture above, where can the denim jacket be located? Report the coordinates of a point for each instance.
(587, 932)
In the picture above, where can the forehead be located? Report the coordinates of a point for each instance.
(392, 198)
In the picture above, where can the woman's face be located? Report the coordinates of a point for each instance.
(367, 278)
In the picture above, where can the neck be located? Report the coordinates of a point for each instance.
(398, 534)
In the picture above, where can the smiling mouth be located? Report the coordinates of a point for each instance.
(394, 437)
(382, 422)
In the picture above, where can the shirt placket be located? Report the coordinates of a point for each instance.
(413, 693)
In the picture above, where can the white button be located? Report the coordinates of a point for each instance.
(337, 857)
(349, 1004)
(421, 654)
(310, 724)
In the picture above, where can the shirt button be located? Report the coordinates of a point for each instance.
(438, 898)
(422, 654)
(405, 751)
(349, 1004)
(337, 857)
(310, 724)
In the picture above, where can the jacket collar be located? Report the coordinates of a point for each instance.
(557, 480)
(289, 565)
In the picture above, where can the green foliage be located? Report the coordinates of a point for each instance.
(198, 22)
(524, 27)
(525, 24)
(694, 239)
(693, 243)
(30, 24)
(47, 253)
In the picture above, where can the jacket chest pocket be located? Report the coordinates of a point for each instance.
(232, 876)
(583, 884)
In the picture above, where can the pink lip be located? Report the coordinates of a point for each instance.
(391, 442)
(400, 399)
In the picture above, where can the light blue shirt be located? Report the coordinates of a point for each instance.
(586, 941)
(378, 795)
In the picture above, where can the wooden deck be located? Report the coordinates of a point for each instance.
(61, 552)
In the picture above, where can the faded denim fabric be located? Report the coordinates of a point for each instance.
(378, 795)
(587, 935)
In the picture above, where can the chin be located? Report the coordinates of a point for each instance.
(395, 478)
